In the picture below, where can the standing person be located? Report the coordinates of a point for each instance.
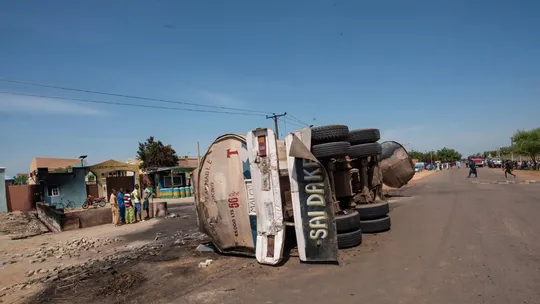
(147, 196)
(472, 169)
(121, 206)
(508, 170)
(136, 199)
(130, 212)
(113, 200)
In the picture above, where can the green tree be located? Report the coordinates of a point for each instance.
(506, 150)
(413, 154)
(527, 143)
(448, 155)
(154, 154)
(20, 180)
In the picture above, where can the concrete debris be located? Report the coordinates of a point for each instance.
(171, 215)
(205, 263)
(205, 248)
(180, 242)
(63, 250)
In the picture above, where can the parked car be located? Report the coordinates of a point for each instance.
(497, 163)
(419, 167)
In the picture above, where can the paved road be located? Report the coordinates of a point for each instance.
(454, 240)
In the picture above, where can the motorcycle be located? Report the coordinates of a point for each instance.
(94, 202)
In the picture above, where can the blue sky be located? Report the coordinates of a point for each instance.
(462, 74)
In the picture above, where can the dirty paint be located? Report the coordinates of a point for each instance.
(263, 157)
(312, 201)
(223, 196)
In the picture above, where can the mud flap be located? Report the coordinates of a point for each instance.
(222, 196)
(263, 159)
(313, 210)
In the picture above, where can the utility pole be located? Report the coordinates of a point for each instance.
(275, 118)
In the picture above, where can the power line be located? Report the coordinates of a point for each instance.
(298, 120)
(292, 122)
(127, 96)
(132, 105)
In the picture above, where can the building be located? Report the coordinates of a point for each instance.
(62, 185)
(51, 164)
(3, 197)
(113, 174)
(172, 177)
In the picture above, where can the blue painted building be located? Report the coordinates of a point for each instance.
(62, 186)
(3, 198)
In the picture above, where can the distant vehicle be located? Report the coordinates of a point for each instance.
(497, 163)
(419, 167)
(479, 161)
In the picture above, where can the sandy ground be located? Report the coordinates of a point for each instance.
(420, 175)
(453, 240)
(19, 258)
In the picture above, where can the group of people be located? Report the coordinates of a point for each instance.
(506, 165)
(126, 205)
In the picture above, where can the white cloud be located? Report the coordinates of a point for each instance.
(41, 105)
(220, 99)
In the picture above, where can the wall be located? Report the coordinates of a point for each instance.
(57, 220)
(21, 198)
(72, 186)
(51, 217)
(3, 197)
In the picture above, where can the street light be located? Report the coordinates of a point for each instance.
(82, 157)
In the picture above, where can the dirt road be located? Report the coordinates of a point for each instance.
(453, 240)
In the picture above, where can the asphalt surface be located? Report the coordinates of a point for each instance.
(453, 240)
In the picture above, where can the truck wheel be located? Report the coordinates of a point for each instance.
(349, 239)
(348, 222)
(375, 226)
(330, 133)
(332, 149)
(372, 211)
(364, 136)
(365, 150)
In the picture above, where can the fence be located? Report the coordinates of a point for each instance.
(22, 198)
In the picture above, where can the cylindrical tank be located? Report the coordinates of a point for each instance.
(397, 167)
(176, 192)
(189, 191)
(224, 176)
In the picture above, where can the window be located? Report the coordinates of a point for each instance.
(53, 191)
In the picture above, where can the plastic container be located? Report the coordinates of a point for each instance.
(182, 192)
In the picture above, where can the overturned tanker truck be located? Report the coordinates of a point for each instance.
(321, 187)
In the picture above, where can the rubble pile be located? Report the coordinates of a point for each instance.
(20, 224)
(67, 277)
(63, 250)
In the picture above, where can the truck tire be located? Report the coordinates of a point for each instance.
(332, 149)
(349, 239)
(330, 133)
(364, 136)
(376, 226)
(372, 211)
(348, 222)
(365, 150)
